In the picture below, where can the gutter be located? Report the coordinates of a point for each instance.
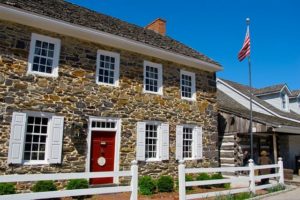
(59, 26)
(288, 129)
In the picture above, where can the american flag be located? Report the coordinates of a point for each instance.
(245, 51)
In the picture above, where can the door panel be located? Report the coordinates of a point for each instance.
(103, 145)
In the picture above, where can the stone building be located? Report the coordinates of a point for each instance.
(276, 129)
(82, 91)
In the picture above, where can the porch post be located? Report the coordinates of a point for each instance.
(275, 148)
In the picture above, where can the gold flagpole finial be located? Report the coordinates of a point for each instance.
(248, 20)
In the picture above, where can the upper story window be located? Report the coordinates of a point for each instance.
(299, 102)
(187, 85)
(284, 101)
(153, 78)
(44, 55)
(108, 64)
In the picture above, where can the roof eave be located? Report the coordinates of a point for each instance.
(58, 26)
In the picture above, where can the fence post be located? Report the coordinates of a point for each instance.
(134, 180)
(181, 180)
(281, 174)
(252, 176)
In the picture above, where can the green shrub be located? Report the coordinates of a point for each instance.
(276, 188)
(189, 178)
(219, 176)
(147, 185)
(242, 196)
(44, 186)
(203, 177)
(165, 184)
(77, 184)
(7, 188)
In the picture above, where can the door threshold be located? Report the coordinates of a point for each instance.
(103, 185)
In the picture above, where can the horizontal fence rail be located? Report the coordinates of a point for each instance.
(133, 173)
(250, 179)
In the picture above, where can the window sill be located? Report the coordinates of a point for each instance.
(107, 84)
(150, 92)
(42, 74)
(35, 163)
(153, 160)
(188, 99)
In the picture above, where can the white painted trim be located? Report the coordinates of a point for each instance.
(193, 89)
(117, 129)
(116, 70)
(159, 78)
(56, 54)
(54, 25)
(255, 102)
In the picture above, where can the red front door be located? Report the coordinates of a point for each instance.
(102, 155)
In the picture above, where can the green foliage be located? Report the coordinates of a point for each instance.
(216, 176)
(77, 184)
(44, 186)
(165, 184)
(226, 185)
(7, 188)
(147, 185)
(189, 178)
(203, 177)
(276, 188)
(240, 196)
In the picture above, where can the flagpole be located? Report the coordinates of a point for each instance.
(250, 85)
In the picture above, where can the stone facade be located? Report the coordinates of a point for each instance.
(75, 95)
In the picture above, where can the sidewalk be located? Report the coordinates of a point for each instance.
(291, 195)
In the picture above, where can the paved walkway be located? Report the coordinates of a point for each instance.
(291, 195)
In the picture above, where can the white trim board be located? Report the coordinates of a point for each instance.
(117, 129)
(54, 25)
(253, 101)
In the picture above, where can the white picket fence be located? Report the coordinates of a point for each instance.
(249, 179)
(133, 188)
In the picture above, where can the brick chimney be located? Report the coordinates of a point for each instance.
(158, 25)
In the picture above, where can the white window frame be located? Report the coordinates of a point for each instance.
(159, 80)
(159, 143)
(49, 128)
(116, 70)
(193, 142)
(193, 87)
(298, 100)
(284, 98)
(56, 54)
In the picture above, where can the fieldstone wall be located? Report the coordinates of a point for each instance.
(75, 95)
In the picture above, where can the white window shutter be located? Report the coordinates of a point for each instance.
(140, 140)
(17, 137)
(179, 142)
(165, 141)
(56, 140)
(198, 143)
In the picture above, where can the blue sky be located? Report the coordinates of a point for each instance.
(217, 28)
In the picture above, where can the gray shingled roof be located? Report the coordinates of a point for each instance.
(71, 13)
(229, 105)
(295, 93)
(269, 89)
(245, 90)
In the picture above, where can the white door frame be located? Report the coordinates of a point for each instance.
(117, 129)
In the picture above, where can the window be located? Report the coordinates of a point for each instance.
(187, 85)
(153, 78)
(299, 102)
(187, 142)
(152, 141)
(107, 68)
(283, 99)
(44, 55)
(35, 138)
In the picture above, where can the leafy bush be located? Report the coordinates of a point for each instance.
(44, 186)
(165, 184)
(189, 178)
(219, 176)
(276, 188)
(147, 185)
(77, 184)
(203, 177)
(7, 188)
(242, 196)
